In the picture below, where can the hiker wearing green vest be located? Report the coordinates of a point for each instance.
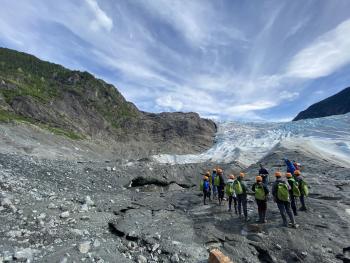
(304, 189)
(230, 192)
(280, 192)
(261, 193)
(294, 192)
(241, 192)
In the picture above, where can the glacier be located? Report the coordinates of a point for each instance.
(248, 142)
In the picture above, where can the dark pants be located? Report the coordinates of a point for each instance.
(230, 198)
(206, 193)
(221, 193)
(285, 208)
(302, 201)
(242, 202)
(215, 191)
(293, 204)
(262, 207)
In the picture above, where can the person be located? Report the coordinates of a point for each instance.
(214, 187)
(290, 166)
(293, 192)
(230, 192)
(264, 174)
(296, 165)
(303, 188)
(220, 185)
(261, 193)
(206, 189)
(280, 192)
(241, 192)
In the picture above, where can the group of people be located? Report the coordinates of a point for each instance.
(285, 190)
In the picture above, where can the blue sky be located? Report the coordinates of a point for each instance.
(228, 60)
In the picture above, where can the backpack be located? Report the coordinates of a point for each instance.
(260, 192)
(304, 188)
(238, 187)
(217, 180)
(282, 192)
(295, 189)
(229, 189)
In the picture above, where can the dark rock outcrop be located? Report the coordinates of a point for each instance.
(334, 105)
(82, 106)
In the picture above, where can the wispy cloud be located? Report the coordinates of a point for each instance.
(102, 20)
(323, 56)
(223, 59)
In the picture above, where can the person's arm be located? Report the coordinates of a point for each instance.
(253, 187)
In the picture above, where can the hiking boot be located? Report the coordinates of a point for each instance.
(303, 209)
(294, 225)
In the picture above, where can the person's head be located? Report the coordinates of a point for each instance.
(288, 175)
(258, 179)
(261, 166)
(205, 178)
(231, 176)
(207, 173)
(278, 175)
(297, 173)
(219, 171)
(214, 171)
(241, 175)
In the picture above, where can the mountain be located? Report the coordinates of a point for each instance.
(334, 105)
(79, 106)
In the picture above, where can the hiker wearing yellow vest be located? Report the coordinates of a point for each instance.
(241, 192)
(280, 192)
(261, 193)
(231, 194)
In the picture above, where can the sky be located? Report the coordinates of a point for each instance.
(225, 59)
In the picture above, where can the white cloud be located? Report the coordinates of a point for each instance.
(102, 20)
(169, 102)
(254, 106)
(288, 95)
(325, 55)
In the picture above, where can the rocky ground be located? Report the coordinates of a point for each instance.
(140, 211)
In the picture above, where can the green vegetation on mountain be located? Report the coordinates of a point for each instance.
(77, 105)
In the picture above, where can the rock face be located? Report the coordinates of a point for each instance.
(334, 105)
(79, 106)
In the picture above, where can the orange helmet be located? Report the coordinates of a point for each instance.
(278, 174)
(241, 174)
(297, 172)
(206, 178)
(288, 175)
(231, 176)
(258, 178)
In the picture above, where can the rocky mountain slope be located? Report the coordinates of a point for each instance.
(80, 107)
(334, 105)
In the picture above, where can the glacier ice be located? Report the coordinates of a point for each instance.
(247, 142)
